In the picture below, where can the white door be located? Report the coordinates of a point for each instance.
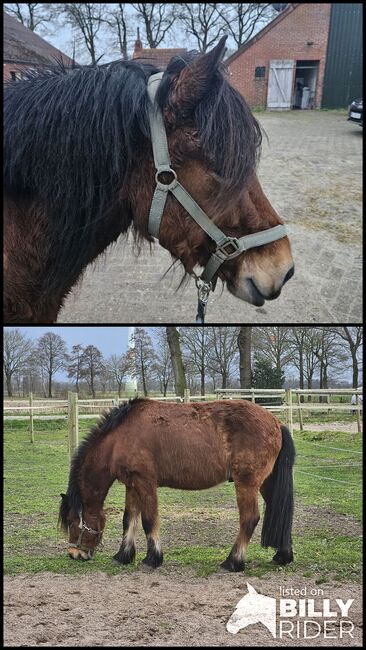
(280, 83)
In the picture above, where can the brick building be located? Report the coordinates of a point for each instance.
(307, 48)
(156, 56)
(24, 50)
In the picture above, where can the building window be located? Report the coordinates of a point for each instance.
(15, 74)
(260, 72)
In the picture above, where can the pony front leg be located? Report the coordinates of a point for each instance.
(150, 522)
(127, 551)
(247, 500)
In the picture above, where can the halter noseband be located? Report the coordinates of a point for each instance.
(83, 526)
(226, 247)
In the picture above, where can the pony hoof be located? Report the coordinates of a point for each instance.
(233, 567)
(283, 557)
(122, 560)
(153, 561)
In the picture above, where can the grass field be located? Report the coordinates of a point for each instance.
(197, 528)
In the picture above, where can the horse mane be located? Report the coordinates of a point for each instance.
(72, 136)
(108, 422)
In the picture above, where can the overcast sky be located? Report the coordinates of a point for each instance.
(109, 340)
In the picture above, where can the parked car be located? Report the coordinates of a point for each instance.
(355, 112)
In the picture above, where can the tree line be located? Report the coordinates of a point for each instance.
(170, 359)
(97, 25)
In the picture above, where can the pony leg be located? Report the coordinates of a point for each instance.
(150, 522)
(127, 551)
(247, 500)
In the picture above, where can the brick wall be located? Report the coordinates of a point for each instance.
(13, 67)
(307, 22)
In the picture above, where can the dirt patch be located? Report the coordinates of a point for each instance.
(151, 608)
(347, 427)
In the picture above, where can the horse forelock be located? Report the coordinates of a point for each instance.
(229, 134)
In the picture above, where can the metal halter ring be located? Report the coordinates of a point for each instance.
(166, 186)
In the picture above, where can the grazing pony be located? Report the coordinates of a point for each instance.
(79, 171)
(147, 444)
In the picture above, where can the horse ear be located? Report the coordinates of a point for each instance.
(195, 79)
(251, 589)
(64, 497)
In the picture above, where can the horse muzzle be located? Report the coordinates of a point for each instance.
(80, 554)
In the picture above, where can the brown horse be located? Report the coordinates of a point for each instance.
(148, 444)
(79, 171)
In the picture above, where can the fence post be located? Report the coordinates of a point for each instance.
(300, 412)
(116, 401)
(187, 393)
(73, 422)
(31, 417)
(288, 400)
(252, 391)
(358, 413)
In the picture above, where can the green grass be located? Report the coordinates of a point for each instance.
(197, 528)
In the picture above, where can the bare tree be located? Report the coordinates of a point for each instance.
(195, 349)
(273, 343)
(245, 356)
(203, 21)
(86, 19)
(51, 354)
(163, 363)
(92, 364)
(173, 338)
(119, 367)
(242, 19)
(74, 364)
(36, 16)
(16, 355)
(353, 337)
(118, 20)
(145, 357)
(223, 350)
(158, 19)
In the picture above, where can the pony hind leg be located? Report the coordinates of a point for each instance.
(127, 551)
(247, 500)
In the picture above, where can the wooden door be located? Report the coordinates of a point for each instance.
(280, 84)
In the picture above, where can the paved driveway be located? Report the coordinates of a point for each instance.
(311, 172)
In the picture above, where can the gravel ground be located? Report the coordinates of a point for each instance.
(148, 608)
(311, 171)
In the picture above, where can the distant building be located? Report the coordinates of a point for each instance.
(156, 56)
(24, 50)
(308, 56)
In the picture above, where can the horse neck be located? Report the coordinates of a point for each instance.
(96, 479)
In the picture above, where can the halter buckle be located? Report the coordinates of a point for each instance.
(224, 248)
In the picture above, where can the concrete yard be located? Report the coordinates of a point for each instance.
(311, 171)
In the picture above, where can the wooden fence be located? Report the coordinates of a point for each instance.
(289, 401)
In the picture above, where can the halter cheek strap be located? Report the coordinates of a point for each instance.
(226, 247)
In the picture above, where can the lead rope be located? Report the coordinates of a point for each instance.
(203, 293)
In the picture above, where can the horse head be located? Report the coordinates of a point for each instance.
(213, 142)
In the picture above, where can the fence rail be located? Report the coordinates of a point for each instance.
(72, 407)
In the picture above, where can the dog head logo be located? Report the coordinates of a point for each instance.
(253, 608)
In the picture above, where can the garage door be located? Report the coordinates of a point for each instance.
(280, 84)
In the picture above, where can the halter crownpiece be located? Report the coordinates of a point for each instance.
(226, 247)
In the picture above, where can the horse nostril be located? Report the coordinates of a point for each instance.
(289, 274)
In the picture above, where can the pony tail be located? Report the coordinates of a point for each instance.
(278, 493)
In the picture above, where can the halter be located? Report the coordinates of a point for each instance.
(226, 247)
(83, 526)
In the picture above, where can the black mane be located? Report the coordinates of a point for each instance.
(107, 423)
